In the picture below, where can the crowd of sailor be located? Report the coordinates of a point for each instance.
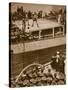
(18, 35)
(20, 14)
(51, 74)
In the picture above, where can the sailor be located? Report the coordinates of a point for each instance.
(56, 61)
(49, 77)
(59, 18)
(57, 56)
(27, 19)
(35, 19)
(53, 64)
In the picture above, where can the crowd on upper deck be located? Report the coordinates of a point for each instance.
(20, 14)
(23, 15)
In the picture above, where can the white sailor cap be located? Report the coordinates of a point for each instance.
(58, 52)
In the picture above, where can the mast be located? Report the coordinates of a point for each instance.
(23, 30)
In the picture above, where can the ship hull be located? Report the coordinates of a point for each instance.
(37, 45)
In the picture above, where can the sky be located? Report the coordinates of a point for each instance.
(35, 7)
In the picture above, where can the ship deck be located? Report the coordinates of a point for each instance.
(42, 23)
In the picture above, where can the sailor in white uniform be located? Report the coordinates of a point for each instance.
(35, 19)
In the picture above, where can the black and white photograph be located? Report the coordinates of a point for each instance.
(37, 44)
